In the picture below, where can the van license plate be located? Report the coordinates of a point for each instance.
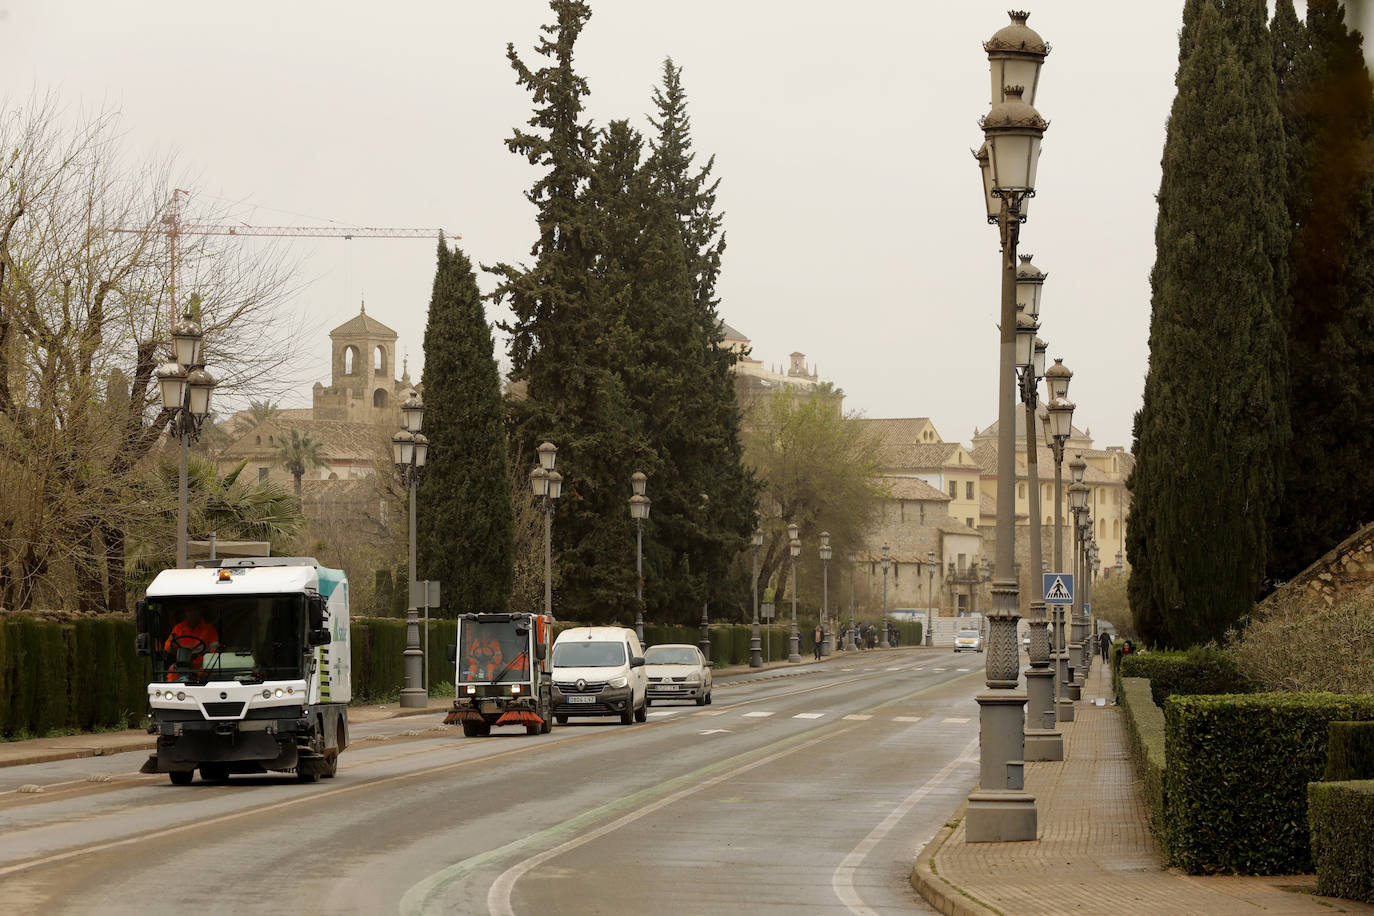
(581, 699)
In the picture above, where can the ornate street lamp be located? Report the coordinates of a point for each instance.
(186, 388)
(930, 597)
(547, 486)
(704, 643)
(755, 648)
(794, 547)
(999, 810)
(639, 511)
(828, 641)
(887, 562)
(853, 559)
(409, 451)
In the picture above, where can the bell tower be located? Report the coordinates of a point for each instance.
(362, 385)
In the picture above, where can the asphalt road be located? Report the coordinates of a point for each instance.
(808, 793)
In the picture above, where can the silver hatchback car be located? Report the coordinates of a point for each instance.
(968, 641)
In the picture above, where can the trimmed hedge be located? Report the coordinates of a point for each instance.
(1342, 824)
(80, 675)
(1145, 724)
(1235, 785)
(1350, 751)
(1196, 671)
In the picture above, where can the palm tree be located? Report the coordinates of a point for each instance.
(262, 411)
(299, 454)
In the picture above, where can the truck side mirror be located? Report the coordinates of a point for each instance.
(637, 662)
(142, 645)
(141, 617)
(315, 611)
(541, 651)
(320, 636)
(451, 653)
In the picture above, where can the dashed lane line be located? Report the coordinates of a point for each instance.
(906, 719)
(808, 715)
(757, 714)
(953, 720)
(857, 717)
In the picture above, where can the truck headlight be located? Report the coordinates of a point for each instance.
(471, 689)
(618, 682)
(280, 692)
(514, 688)
(168, 695)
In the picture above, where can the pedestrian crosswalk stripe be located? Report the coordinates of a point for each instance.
(856, 717)
(907, 719)
(955, 721)
(808, 715)
(757, 715)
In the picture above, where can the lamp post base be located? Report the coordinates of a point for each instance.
(755, 649)
(414, 698)
(1043, 740)
(1063, 710)
(794, 648)
(413, 695)
(1000, 816)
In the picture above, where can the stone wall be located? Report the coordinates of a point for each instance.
(1346, 568)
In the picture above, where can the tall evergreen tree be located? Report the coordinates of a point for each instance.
(1328, 110)
(566, 339)
(465, 529)
(715, 444)
(1213, 420)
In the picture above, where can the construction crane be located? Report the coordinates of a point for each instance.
(173, 228)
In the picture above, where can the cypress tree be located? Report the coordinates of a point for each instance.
(567, 341)
(1328, 109)
(712, 445)
(1213, 419)
(465, 529)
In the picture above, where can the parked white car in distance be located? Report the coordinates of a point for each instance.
(678, 672)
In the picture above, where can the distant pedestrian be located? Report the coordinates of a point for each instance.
(816, 639)
(1106, 640)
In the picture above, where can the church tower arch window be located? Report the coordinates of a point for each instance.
(350, 360)
(379, 398)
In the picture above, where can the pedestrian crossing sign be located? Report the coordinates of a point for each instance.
(1058, 588)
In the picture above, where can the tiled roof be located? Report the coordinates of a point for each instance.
(985, 453)
(729, 333)
(954, 526)
(1077, 438)
(363, 325)
(341, 440)
(912, 488)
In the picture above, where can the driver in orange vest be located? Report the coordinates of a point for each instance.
(200, 637)
(484, 658)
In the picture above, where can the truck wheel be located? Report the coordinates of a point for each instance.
(331, 765)
(548, 724)
(534, 729)
(562, 720)
(311, 775)
(181, 777)
(628, 716)
(642, 713)
(470, 729)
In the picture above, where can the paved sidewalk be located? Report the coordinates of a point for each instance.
(1095, 853)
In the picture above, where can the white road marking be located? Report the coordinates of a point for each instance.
(808, 715)
(757, 714)
(954, 721)
(498, 897)
(907, 719)
(941, 669)
(715, 731)
(713, 712)
(894, 669)
(843, 879)
(856, 717)
(846, 669)
(922, 668)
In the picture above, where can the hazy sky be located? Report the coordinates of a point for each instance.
(841, 134)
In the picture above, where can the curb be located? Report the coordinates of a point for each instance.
(938, 891)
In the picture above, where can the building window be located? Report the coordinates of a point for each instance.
(1020, 491)
(968, 489)
(901, 509)
(259, 442)
(379, 398)
(896, 572)
(379, 360)
(953, 489)
(1116, 529)
(969, 522)
(1102, 529)
(262, 474)
(350, 361)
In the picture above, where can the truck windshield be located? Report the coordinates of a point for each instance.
(585, 653)
(492, 652)
(244, 638)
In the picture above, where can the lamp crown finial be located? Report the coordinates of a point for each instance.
(1019, 16)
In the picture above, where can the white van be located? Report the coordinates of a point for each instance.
(599, 671)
